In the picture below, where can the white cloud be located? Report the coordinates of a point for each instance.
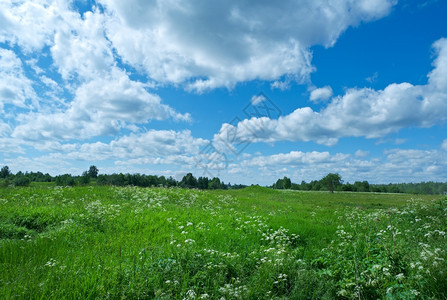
(444, 144)
(30, 24)
(15, 87)
(294, 158)
(102, 106)
(394, 165)
(320, 94)
(361, 153)
(359, 112)
(372, 78)
(207, 44)
(81, 49)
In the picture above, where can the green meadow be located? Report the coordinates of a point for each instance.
(102, 242)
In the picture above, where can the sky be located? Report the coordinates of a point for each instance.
(247, 91)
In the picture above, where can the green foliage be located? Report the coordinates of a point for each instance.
(189, 181)
(287, 183)
(284, 183)
(65, 180)
(331, 181)
(85, 178)
(93, 172)
(21, 181)
(5, 172)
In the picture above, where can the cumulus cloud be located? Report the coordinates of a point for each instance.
(207, 44)
(361, 153)
(150, 147)
(320, 94)
(15, 87)
(196, 44)
(100, 107)
(360, 112)
(295, 158)
(394, 165)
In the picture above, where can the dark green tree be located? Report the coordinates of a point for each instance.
(21, 180)
(279, 184)
(287, 183)
(331, 181)
(93, 172)
(171, 182)
(5, 172)
(189, 181)
(202, 183)
(214, 184)
(85, 178)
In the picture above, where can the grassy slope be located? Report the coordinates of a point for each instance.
(104, 242)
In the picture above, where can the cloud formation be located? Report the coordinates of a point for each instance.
(321, 94)
(209, 44)
(360, 112)
(395, 165)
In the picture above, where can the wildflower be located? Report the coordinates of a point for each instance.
(51, 263)
(190, 294)
(400, 276)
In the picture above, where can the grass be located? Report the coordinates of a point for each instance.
(107, 243)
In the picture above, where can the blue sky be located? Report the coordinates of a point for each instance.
(248, 91)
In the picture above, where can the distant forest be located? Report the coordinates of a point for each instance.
(331, 182)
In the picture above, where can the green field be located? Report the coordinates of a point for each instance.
(155, 243)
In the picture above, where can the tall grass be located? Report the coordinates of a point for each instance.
(256, 243)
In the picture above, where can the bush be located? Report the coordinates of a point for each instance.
(21, 181)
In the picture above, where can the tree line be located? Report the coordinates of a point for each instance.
(7, 178)
(333, 182)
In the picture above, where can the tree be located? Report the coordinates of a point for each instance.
(189, 181)
(361, 186)
(214, 184)
(171, 182)
(5, 172)
(21, 181)
(279, 184)
(65, 180)
(85, 178)
(202, 183)
(93, 172)
(331, 181)
(287, 183)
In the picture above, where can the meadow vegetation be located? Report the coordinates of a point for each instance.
(103, 242)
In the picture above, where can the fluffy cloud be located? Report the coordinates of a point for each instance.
(15, 88)
(207, 44)
(359, 112)
(295, 158)
(95, 96)
(319, 94)
(394, 165)
(361, 153)
(80, 48)
(102, 106)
